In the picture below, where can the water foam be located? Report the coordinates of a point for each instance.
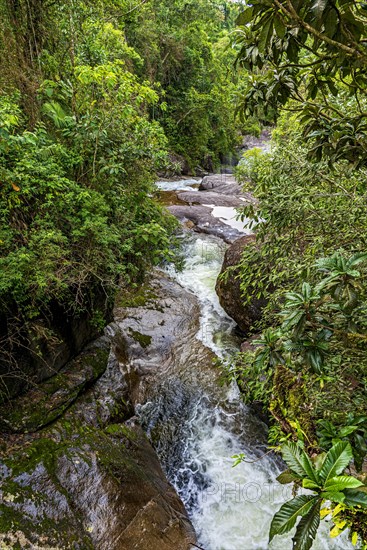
(230, 508)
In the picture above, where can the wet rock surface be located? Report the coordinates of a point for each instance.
(215, 199)
(203, 211)
(225, 184)
(262, 142)
(203, 221)
(158, 340)
(47, 344)
(54, 396)
(88, 487)
(91, 479)
(229, 291)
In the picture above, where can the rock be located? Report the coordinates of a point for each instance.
(229, 292)
(204, 222)
(48, 400)
(262, 142)
(91, 480)
(225, 184)
(208, 197)
(159, 339)
(88, 488)
(50, 341)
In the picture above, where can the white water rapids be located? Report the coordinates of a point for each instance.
(230, 507)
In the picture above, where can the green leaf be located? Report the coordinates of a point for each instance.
(307, 528)
(285, 519)
(336, 460)
(245, 17)
(343, 432)
(279, 27)
(298, 461)
(340, 483)
(292, 456)
(334, 496)
(287, 477)
(265, 35)
(355, 497)
(310, 484)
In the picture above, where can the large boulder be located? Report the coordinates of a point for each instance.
(34, 352)
(229, 291)
(225, 184)
(84, 487)
(91, 480)
(209, 197)
(80, 473)
(157, 341)
(201, 220)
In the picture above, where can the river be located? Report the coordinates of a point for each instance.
(230, 507)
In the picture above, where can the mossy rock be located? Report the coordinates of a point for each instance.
(143, 339)
(290, 403)
(50, 399)
(141, 296)
(83, 487)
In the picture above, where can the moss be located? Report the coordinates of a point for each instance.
(79, 439)
(44, 405)
(121, 430)
(143, 339)
(51, 532)
(289, 403)
(138, 297)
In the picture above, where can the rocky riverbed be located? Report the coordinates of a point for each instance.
(129, 446)
(77, 470)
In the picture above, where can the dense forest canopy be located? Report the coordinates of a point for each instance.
(96, 98)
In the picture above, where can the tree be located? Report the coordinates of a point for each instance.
(310, 57)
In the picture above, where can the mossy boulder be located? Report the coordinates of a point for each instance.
(228, 288)
(90, 488)
(48, 400)
(90, 480)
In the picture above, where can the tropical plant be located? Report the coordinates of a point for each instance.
(326, 479)
(353, 429)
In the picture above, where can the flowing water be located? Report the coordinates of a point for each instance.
(230, 507)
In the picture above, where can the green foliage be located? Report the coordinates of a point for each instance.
(305, 211)
(309, 260)
(309, 57)
(246, 169)
(96, 99)
(353, 430)
(326, 479)
(78, 158)
(187, 52)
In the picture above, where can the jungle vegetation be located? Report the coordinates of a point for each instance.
(307, 64)
(96, 98)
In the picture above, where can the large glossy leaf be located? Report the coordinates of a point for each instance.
(355, 497)
(309, 484)
(336, 460)
(307, 528)
(298, 461)
(334, 496)
(245, 17)
(285, 519)
(339, 483)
